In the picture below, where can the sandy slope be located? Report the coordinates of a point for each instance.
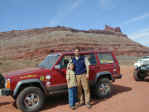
(128, 96)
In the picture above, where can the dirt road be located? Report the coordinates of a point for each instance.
(128, 96)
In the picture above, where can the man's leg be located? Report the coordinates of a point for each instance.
(85, 86)
(80, 95)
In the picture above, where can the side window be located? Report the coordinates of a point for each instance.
(105, 58)
(65, 60)
(92, 59)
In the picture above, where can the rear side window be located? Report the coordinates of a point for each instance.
(105, 58)
(92, 59)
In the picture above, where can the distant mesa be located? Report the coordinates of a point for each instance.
(40, 42)
(109, 28)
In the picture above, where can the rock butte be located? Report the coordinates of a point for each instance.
(39, 42)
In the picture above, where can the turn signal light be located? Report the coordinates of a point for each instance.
(8, 83)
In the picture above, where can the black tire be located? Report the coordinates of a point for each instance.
(103, 88)
(138, 76)
(2, 81)
(25, 98)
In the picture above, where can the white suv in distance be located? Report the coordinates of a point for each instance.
(142, 61)
(141, 68)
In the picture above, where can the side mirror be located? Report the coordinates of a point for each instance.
(57, 67)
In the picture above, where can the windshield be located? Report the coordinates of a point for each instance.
(49, 61)
(145, 57)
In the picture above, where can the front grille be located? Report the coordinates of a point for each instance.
(2, 81)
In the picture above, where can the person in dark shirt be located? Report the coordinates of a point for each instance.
(81, 68)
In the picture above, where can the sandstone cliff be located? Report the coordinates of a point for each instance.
(37, 43)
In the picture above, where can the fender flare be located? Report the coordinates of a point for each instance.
(105, 73)
(2, 81)
(28, 81)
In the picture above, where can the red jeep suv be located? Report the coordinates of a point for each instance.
(29, 87)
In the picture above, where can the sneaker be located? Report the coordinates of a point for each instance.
(88, 105)
(73, 108)
(81, 104)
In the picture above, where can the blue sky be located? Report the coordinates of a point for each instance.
(131, 15)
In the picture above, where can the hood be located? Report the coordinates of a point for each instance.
(22, 72)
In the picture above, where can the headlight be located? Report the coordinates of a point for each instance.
(7, 83)
(48, 77)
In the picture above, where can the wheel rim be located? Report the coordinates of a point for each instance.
(104, 88)
(31, 100)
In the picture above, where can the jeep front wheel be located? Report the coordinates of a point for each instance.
(139, 76)
(31, 99)
(103, 88)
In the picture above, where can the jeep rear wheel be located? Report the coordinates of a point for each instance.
(31, 99)
(103, 88)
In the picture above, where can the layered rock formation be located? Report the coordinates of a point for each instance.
(40, 42)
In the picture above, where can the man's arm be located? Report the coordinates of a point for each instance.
(87, 63)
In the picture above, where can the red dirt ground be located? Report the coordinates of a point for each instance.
(128, 96)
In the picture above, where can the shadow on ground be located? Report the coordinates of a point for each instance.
(146, 79)
(56, 100)
(120, 89)
(117, 89)
(62, 99)
(4, 103)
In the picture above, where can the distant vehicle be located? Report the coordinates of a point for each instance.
(29, 87)
(142, 61)
(141, 68)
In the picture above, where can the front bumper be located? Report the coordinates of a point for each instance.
(5, 92)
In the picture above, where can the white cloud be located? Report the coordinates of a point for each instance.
(75, 4)
(106, 4)
(64, 12)
(141, 36)
(138, 18)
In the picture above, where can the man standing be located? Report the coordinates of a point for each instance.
(81, 67)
